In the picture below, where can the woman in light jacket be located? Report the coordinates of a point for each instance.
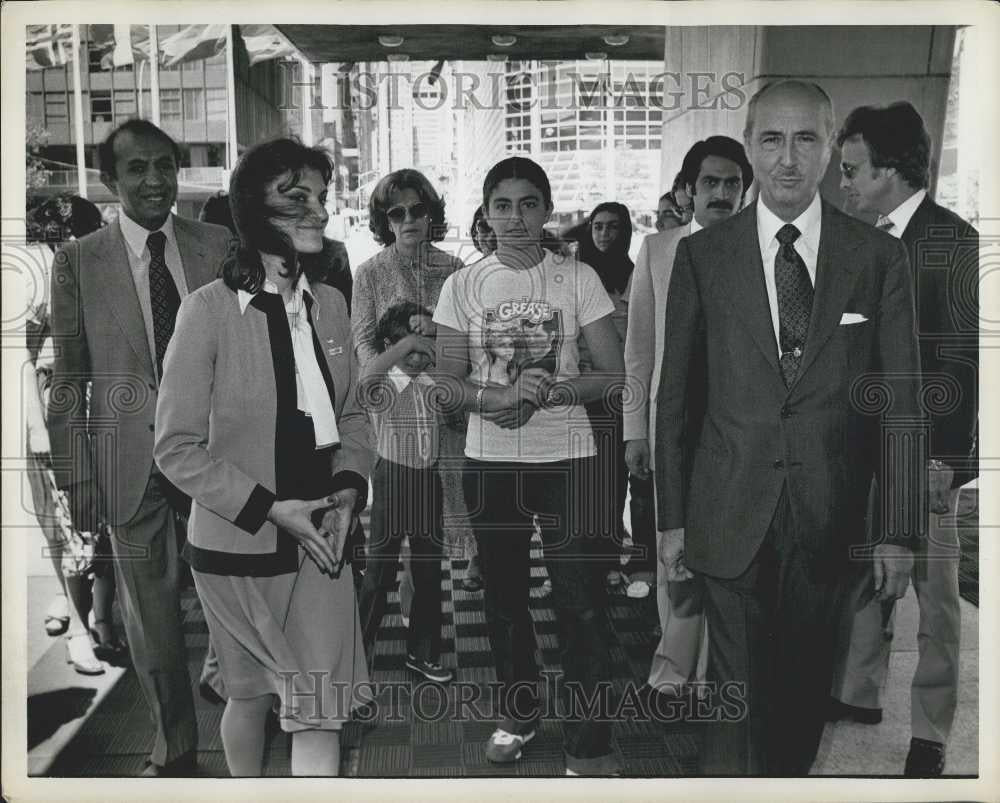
(258, 421)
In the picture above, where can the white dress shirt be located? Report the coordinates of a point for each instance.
(807, 247)
(138, 259)
(900, 216)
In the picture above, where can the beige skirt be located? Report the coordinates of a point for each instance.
(296, 636)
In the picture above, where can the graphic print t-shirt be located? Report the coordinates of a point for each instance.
(516, 319)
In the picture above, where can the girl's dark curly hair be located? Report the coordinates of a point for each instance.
(254, 217)
(381, 200)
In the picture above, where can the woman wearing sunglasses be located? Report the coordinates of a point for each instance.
(406, 216)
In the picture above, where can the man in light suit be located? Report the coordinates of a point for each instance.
(885, 164)
(809, 345)
(115, 295)
(716, 173)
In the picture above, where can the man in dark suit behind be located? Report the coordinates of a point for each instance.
(885, 164)
(115, 295)
(805, 311)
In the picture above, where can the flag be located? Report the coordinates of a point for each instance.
(48, 46)
(192, 42)
(122, 53)
(123, 44)
(263, 42)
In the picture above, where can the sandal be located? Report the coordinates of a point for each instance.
(106, 651)
(80, 653)
(57, 616)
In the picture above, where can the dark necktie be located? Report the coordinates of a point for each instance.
(163, 296)
(795, 298)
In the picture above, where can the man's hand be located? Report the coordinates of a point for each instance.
(637, 457)
(939, 479)
(892, 568)
(672, 555)
(338, 521)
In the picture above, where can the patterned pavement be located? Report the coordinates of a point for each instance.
(422, 729)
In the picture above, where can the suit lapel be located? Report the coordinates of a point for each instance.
(835, 266)
(118, 288)
(193, 255)
(747, 292)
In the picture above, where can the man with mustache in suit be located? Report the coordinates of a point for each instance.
(716, 174)
(800, 308)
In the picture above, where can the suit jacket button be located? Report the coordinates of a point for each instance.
(151, 427)
(779, 464)
(786, 411)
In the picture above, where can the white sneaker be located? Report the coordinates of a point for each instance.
(637, 589)
(504, 747)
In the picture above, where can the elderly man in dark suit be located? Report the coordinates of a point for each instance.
(802, 309)
(885, 166)
(115, 295)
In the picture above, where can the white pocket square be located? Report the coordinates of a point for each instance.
(852, 317)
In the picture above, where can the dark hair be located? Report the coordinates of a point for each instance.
(216, 210)
(394, 324)
(483, 237)
(614, 267)
(669, 196)
(723, 147)
(516, 167)
(73, 214)
(896, 137)
(260, 166)
(810, 86)
(138, 128)
(381, 200)
(678, 184)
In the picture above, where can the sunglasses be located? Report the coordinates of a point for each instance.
(417, 211)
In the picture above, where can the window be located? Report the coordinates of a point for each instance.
(124, 104)
(215, 99)
(100, 106)
(36, 107)
(56, 108)
(170, 104)
(194, 104)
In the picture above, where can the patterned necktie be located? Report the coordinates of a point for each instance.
(795, 298)
(163, 296)
(884, 223)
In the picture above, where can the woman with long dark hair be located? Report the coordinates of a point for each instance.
(258, 421)
(604, 245)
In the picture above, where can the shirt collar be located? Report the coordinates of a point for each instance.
(402, 380)
(136, 235)
(694, 226)
(900, 216)
(808, 224)
(301, 286)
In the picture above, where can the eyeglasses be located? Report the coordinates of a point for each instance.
(397, 214)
